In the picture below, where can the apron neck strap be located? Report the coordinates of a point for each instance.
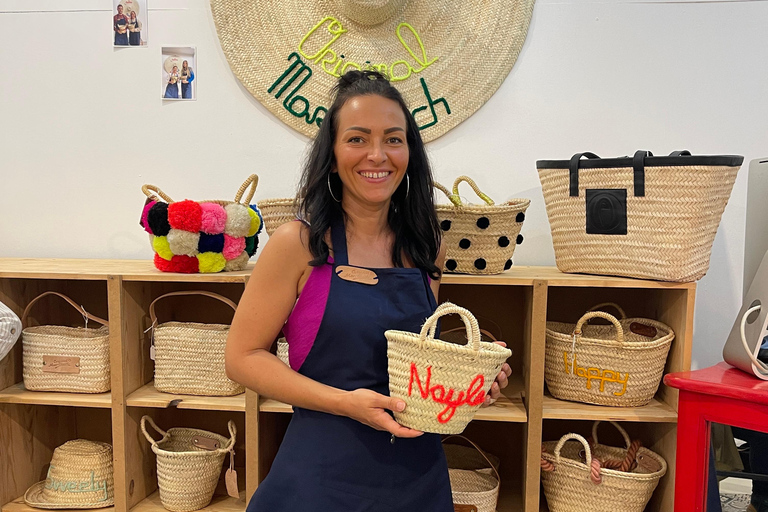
(339, 241)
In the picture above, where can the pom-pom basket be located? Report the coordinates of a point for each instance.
(479, 239)
(443, 384)
(67, 359)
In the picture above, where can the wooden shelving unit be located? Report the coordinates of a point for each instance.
(517, 302)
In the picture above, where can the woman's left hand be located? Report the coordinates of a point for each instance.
(502, 380)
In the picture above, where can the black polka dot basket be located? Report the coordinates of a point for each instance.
(479, 239)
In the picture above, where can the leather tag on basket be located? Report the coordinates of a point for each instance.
(231, 477)
(205, 443)
(648, 331)
(357, 274)
(61, 364)
(648, 464)
(464, 508)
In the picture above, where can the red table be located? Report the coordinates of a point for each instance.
(719, 394)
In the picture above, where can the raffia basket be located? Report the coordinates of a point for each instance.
(642, 216)
(68, 359)
(620, 364)
(424, 372)
(282, 351)
(474, 475)
(189, 464)
(571, 485)
(189, 356)
(277, 212)
(479, 239)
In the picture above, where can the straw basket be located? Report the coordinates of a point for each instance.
(619, 364)
(189, 464)
(189, 357)
(277, 212)
(474, 475)
(479, 239)
(427, 374)
(642, 216)
(282, 351)
(571, 485)
(68, 359)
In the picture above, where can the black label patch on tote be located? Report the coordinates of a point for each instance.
(606, 211)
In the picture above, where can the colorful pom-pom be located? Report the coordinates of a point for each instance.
(181, 264)
(233, 247)
(251, 244)
(183, 242)
(238, 263)
(211, 262)
(261, 218)
(238, 220)
(255, 222)
(185, 215)
(161, 247)
(157, 219)
(145, 215)
(214, 218)
(211, 243)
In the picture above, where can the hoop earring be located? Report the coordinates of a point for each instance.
(330, 190)
(407, 185)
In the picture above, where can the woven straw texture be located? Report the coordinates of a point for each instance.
(277, 212)
(186, 473)
(479, 239)
(474, 475)
(569, 488)
(189, 356)
(423, 371)
(282, 351)
(80, 462)
(670, 230)
(262, 39)
(91, 346)
(606, 364)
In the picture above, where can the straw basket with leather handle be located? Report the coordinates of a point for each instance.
(189, 356)
(479, 239)
(620, 364)
(442, 384)
(68, 359)
(277, 212)
(642, 216)
(474, 476)
(189, 464)
(571, 485)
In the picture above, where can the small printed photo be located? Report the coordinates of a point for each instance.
(129, 22)
(179, 73)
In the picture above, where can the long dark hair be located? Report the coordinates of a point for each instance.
(412, 215)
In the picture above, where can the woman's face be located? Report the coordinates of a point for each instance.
(133, 15)
(175, 69)
(371, 149)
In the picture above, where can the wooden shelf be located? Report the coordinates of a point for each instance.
(18, 505)
(148, 396)
(510, 500)
(18, 394)
(656, 411)
(219, 504)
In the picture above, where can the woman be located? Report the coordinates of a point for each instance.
(187, 75)
(172, 89)
(134, 30)
(366, 193)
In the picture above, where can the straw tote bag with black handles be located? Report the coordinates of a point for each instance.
(641, 216)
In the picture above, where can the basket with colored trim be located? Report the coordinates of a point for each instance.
(620, 364)
(189, 464)
(642, 216)
(474, 475)
(206, 236)
(277, 212)
(189, 356)
(67, 359)
(443, 384)
(479, 239)
(574, 485)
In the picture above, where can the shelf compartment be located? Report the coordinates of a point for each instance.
(148, 396)
(220, 503)
(18, 394)
(18, 505)
(655, 412)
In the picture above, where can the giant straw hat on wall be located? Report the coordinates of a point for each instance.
(447, 57)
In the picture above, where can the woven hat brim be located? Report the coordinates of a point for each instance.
(34, 498)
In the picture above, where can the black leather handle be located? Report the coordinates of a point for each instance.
(574, 171)
(684, 152)
(638, 165)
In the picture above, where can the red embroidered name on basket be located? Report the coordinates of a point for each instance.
(474, 395)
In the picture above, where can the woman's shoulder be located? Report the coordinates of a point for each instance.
(292, 238)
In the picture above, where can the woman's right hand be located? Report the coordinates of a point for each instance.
(370, 408)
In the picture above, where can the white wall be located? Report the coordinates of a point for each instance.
(609, 77)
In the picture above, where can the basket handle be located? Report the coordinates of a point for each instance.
(225, 300)
(470, 322)
(573, 170)
(482, 331)
(615, 306)
(80, 309)
(252, 181)
(574, 437)
(232, 437)
(474, 186)
(454, 199)
(478, 449)
(154, 193)
(146, 419)
(599, 314)
(618, 427)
